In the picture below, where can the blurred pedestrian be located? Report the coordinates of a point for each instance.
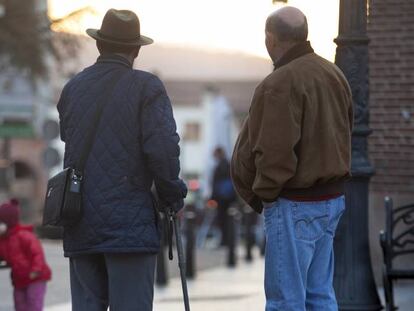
(291, 159)
(23, 252)
(113, 248)
(223, 192)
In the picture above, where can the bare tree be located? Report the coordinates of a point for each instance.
(26, 36)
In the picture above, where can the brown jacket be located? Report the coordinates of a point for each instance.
(297, 136)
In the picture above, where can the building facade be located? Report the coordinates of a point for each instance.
(391, 144)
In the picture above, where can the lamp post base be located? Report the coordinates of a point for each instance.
(354, 280)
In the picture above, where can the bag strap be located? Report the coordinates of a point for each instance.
(90, 138)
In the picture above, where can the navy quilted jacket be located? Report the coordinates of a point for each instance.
(136, 145)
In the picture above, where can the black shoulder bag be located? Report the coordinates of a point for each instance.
(63, 203)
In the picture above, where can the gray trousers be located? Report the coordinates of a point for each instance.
(124, 282)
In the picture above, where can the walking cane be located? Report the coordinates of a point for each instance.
(174, 226)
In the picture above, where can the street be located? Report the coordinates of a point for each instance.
(215, 288)
(58, 291)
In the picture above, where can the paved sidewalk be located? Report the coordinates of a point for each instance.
(215, 289)
(220, 289)
(58, 292)
(240, 289)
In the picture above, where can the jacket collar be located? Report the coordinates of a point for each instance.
(114, 59)
(295, 52)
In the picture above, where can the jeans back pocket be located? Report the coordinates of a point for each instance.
(310, 219)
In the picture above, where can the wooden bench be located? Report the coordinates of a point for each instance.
(396, 240)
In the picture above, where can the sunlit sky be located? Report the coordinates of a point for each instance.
(235, 25)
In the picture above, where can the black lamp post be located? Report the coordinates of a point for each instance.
(354, 282)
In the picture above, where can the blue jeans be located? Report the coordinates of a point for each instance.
(299, 254)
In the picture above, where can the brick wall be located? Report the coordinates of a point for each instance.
(391, 30)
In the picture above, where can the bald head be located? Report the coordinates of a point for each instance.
(288, 24)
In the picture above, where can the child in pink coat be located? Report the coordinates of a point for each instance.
(23, 252)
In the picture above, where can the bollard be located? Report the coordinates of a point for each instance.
(190, 222)
(263, 247)
(231, 243)
(262, 236)
(250, 220)
(162, 272)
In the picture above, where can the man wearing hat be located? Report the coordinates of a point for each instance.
(113, 248)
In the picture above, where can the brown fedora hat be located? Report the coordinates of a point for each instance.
(120, 27)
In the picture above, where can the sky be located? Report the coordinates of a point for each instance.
(230, 25)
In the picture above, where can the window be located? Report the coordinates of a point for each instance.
(192, 131)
